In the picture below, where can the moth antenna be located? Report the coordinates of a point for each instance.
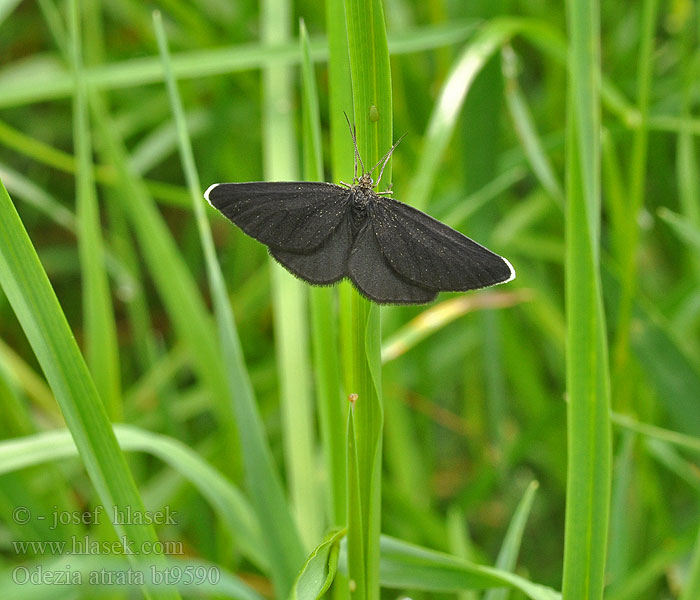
(385, 159)
(354, 143)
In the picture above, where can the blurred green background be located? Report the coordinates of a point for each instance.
(474, 386)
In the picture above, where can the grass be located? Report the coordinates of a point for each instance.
(537, 440)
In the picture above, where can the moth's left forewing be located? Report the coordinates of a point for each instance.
(291, 216)
(431, 254)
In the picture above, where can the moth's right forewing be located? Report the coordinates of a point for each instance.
(432, 255)
(291, 216)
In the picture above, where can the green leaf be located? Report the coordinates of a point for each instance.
(372, 110)
(589, 470)
(409, 566)
(232, 507)
(683, 227)
(21, 88)
(101, 350)
(508, 555)
(319, 570)
(29, 292)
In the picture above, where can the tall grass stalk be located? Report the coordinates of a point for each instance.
(371, 91)
(587, 379)
(289, 294)
(331, 407)
(341, 158)
(31, 296)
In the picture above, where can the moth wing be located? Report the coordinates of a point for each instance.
(293, 216)
(326, 263)
(431, 254)
(373, 277)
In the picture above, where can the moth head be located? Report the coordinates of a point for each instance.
(366, 181)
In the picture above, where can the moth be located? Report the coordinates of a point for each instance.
(390, 251)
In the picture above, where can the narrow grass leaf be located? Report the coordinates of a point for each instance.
(57, 83)
(526, 130)
(508, 554)
(668, 368)
(341, 159)
(622, 510)
(436, 317)
(289, 296)
(232, 507)
(669, 457)
(490, 37)
(28, 289)
(101, 350)
(174, 283)
(460, 543)
(587, 380)
(682, 440)
(280, 540)
(6, 8)
(331, 406)
(683, 227)
(622, 369)
(409, 566)
(372, 110)
(644, 579)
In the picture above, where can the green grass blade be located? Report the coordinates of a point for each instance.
(490, 37)
(682, 440)
(289, 295)
(101, 351)
(175, 285)
(687, 157)
(587, 379)
(669, 368)
(622, 517)
(280, 540)
(58, 83)
(623, 375)
(341, 160)
(30, 192)
(371, 91)
(460, 543)
(28, 289)
(233, 509)
(330, 404)
(39, 151)
(405, 565)
(508, 555)
(525, 128)
(683, 227)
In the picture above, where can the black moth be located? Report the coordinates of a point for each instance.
(392, 252)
